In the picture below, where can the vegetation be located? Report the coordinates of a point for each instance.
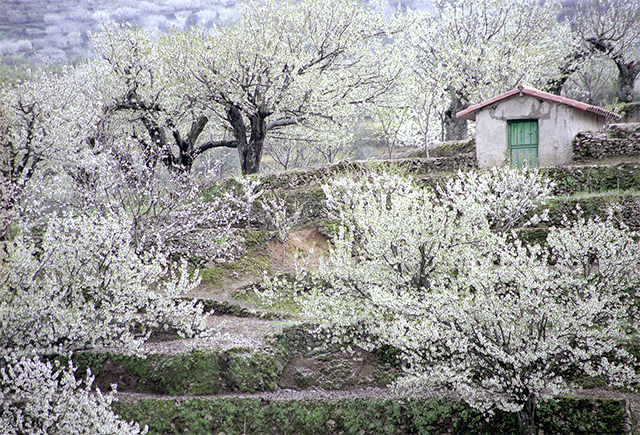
(610, 29)
(405, 416)
(104, 218)
(442, 279)
(193, 90)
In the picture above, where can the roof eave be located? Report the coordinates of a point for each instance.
(470, 112)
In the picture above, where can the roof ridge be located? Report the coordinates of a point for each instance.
(521, 89)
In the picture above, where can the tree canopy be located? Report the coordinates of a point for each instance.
(97, 196)
(473, 50)
(282, 64)
(439, 278)
(296, 76)
(611, 28)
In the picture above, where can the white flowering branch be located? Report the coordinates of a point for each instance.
(470, 308)
(283, 220)
(42, 398)
(83, 286)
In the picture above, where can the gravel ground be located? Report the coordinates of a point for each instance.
(285, 394)
(224, 332)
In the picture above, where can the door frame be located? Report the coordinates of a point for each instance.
(525, 148)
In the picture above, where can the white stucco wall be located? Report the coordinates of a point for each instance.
(557, 126)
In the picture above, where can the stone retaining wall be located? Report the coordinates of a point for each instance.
(619, 140)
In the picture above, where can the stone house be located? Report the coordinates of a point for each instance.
(525, 124)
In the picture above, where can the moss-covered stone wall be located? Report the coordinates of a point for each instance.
(570, 180)
(198, 372)
(620, 140)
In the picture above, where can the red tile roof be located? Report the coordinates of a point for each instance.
(470, 113)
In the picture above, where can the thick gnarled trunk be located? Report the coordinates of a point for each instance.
(249, 148)
(158, 147)
(454, 128)
(627, 73)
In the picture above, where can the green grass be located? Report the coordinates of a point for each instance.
(286, 306)
(210, 276)
(365, 416)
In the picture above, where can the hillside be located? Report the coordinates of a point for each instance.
(257, 363)
(45, 32)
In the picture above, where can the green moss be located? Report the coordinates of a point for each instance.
(196, 372)
(208, 372)
(280, 308)
(87, 360)
(210, 276)
(384, 378)
(299, 341)
(142, 369)
(226, 308)
(255, 239)
(337, 376)
(251, 372)
(593, 206)
(218, 189)
(303, 380)
(329, 228)
(453, 148)
(534, 236)
(572, 179)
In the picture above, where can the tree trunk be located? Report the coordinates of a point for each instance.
(571, 64)
(250, 161)
(455, 128)
(159, 147)
(187, 147)
(627, 73)
(526, 417)
(256, 143)
(249, 149)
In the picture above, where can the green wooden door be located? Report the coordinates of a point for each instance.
(523, 143)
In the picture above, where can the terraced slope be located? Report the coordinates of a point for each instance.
(257, 370)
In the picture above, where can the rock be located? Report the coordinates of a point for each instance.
(331, 424)
(589, 145)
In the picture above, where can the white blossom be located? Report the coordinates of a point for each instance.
(468, 306)
(39, 398)
(84, 286)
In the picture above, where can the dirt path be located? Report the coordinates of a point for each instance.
(283, 394)
(224, 332)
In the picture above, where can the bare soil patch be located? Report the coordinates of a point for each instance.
(306, 247)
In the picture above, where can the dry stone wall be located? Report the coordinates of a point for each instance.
(619, 140)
